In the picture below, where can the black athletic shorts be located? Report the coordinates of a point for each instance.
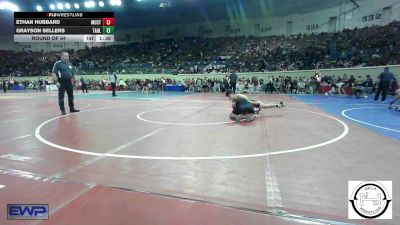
(242, 107)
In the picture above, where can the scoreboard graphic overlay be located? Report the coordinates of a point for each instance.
(64, 26)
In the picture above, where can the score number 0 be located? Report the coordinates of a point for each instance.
(108, 21)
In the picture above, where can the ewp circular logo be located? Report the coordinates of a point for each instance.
(370, 199)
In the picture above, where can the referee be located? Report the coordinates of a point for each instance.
(232, 81)
(65, 73)
(385, 82)
(113, 80)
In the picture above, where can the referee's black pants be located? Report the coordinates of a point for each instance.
(66, 85)
(233, 87)
(113, 86)
(383, 87)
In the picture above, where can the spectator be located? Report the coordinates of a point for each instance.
(255, 85)
(84, 85)
(4, 85)
(122, 84)
(318, 80)
(347, 48)
(293, 87)
(368, 85)
(301, 85)
(357, 88)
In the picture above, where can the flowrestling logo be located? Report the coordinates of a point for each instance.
(370, 200)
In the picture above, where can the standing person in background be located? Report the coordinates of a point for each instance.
(232, 81)
(254, 80)
(154, 85)
(41, 84)
(396, 98)
(10, 84)
(103, 82)
(293, 87)
(64, 73)
(163, 83)
(368, 85)
(84, 85)
(217, 86)
(351, 81)
(113, 80)
(122, 85)
(302, 86)
(225, 84)
(357, 89)
(318, 79)
(4, 85)
(277, 86)
(345, 78)
(385, 82)
(77, 84)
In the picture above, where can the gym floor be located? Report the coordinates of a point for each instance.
(176, 158)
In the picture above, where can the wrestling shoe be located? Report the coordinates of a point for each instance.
(74, 110)
(281, 105)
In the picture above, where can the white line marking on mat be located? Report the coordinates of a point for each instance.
(90, 161)
(16, 138)
(369, 124)
(16, 157)
(56, 208)
(9, 121)
(341, 136)
(139, 116)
